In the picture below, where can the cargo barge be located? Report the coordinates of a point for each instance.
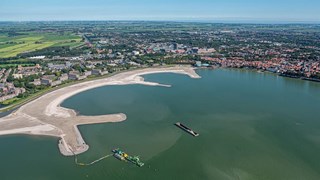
(122, 156)
(185, 128)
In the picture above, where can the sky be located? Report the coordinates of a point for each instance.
(162, 10)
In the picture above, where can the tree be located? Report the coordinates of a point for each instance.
(10, 78)
(57, 73)
(30, 86)
(16, 83)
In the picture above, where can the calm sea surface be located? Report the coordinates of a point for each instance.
(251, 125)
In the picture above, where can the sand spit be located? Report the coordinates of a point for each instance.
(44, 116)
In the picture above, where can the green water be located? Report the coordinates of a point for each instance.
(251, 125)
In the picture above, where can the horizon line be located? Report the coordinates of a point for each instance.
(181, 21)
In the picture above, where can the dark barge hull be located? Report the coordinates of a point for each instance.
(311, 79)
(185, 128)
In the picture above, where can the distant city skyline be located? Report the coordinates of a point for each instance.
(162, 10)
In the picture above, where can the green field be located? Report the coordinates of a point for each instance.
(12, 46)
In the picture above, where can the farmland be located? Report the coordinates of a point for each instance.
(12, 46)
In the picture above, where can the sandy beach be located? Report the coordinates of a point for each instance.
(45, 116)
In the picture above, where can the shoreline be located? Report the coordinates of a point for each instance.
(45, 116)
(16, 105)
(298, 77)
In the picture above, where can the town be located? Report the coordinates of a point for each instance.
(67, 52)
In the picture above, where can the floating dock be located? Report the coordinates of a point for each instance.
(122, 156)
(185, 128)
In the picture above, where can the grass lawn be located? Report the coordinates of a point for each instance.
(10, 101)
